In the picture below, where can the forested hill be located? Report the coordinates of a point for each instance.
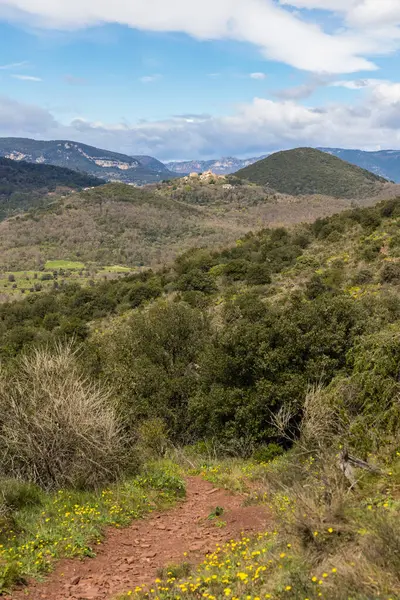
(110, 166)
(309, 171)
(23, 185)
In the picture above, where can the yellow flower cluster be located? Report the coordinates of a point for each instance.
(247, 569)
(70, 524)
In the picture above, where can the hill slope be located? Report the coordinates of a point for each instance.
(117, 224)
(284, 348)
(80, 157)
(24, 185)
(310, 171)
(152, 163)
(385, 163)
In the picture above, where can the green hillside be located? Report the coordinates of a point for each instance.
(310, 171)
(24, 185)
(117, 224)
(265, 367)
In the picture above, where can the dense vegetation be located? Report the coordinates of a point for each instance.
(310, 171)
(24, 185)
(125, 225)
(286, 343)
(247, 330)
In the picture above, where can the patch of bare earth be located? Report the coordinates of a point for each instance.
(132, 556)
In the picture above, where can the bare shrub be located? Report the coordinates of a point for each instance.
(322, 422)
(57, 428)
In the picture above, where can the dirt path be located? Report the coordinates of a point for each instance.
(132, 556)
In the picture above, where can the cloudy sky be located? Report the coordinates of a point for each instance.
(184, 79)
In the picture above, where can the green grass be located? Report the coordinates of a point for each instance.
(117, 269)
(74, 271)
(351, 551)
(71, 524)
(71, 265)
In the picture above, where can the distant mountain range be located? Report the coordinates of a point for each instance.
(140, 170)
(385, 163)
(221, 166)
(111, 166)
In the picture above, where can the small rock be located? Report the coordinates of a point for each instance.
(75, 580)
(196, 546)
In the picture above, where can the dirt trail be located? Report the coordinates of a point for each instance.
(132, 556)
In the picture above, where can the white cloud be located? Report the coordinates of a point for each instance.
(150, 78)
(358, 13)
(331, 5)
(27, 77)
(17, 118)
(304, 90)
(259, 76)
(358, 84)
(280, 33)
(373, 13)
(16, 65)
(253, 128)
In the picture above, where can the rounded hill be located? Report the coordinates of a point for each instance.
(308, 171)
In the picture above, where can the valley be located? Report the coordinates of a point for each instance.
(117, 224)
(200, 300)
(190, 358)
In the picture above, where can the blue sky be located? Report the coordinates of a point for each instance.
(183, 79)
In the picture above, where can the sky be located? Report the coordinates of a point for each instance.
(179, 79)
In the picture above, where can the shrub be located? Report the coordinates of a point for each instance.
(236, 269)
(390, 273)
(258, 274)
(196, 280)
(151, 361)
(362, 276)
(370, 250)
(153, 437)
(57, 428)
(267, 453)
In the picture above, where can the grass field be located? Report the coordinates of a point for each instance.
(64, 264)
(15, 285)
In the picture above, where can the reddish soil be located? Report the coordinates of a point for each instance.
(132, 556)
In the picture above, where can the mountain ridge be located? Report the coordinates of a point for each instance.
(220, 166)
(385, 163)
(105, 164)
(25, 185)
